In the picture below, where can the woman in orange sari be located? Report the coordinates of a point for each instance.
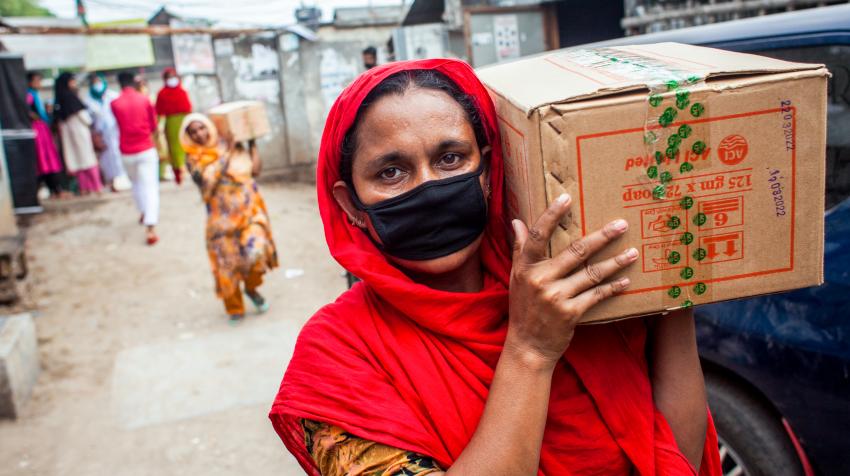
(239, 238)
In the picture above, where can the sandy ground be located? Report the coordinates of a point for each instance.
(141, 373)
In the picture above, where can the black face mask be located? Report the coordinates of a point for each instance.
(433, 220)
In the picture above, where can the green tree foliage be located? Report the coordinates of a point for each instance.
(23, 8)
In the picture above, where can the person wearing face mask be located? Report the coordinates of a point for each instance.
(172, 104)
(459, 352)
(99, 103)
(239, 238)
(74, 122)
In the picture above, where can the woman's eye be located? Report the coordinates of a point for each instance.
(450, 160)
(390, 173)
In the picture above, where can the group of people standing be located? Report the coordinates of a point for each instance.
(87, 133)
(101, 146)
(110, 138)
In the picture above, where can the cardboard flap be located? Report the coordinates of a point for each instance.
(576, 74)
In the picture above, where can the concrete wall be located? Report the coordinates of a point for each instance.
(19, 365)
(429, 40)
(248, 68)
(314, 74)
(301, 146)
(298, 81)
(377, 36)
(203, 90)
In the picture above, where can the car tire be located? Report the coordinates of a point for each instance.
(753, 436)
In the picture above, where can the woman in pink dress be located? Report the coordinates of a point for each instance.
(49, 165)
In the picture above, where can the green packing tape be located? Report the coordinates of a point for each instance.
(697, 110)
(655, 100)
(652, 172)
(664, 102)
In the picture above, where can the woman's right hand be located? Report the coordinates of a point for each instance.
(548, 296)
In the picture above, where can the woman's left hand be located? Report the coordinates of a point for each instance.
(257, 166)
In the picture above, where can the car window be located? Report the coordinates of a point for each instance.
(837, 59)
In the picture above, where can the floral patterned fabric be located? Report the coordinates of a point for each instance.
(239, 236)
(337, 453)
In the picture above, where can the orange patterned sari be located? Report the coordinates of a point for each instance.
(239, 236)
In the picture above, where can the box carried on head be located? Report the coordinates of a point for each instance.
(240, 120)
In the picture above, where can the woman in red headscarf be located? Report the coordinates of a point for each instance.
(457, 354)
(172, 103)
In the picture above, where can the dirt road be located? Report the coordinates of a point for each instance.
(141, 373)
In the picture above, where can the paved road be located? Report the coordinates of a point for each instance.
(141, 373)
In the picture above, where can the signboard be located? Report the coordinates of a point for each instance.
(106, 52)
(92, 52)
(496, 37)
(506, 30)
(47, 51)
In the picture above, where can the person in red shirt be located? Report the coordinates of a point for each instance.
(136, 124)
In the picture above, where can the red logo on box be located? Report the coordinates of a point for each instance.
(733, 149)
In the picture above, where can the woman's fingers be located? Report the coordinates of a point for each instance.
(597, 294)
(582, 249)
(520, 237)
(532, 244)
(595, 274)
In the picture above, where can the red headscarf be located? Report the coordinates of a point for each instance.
(172, 100)
(399, 363)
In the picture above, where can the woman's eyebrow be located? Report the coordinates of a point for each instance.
(449, 144)
(385, 159)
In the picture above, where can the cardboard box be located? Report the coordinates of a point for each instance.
(241, 120)
(716, 159)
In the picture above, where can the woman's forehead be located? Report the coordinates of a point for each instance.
(418, 111)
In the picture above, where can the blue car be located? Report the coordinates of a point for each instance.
(777, 367)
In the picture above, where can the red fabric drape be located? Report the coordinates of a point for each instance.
(172, 100)
(405, 365)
